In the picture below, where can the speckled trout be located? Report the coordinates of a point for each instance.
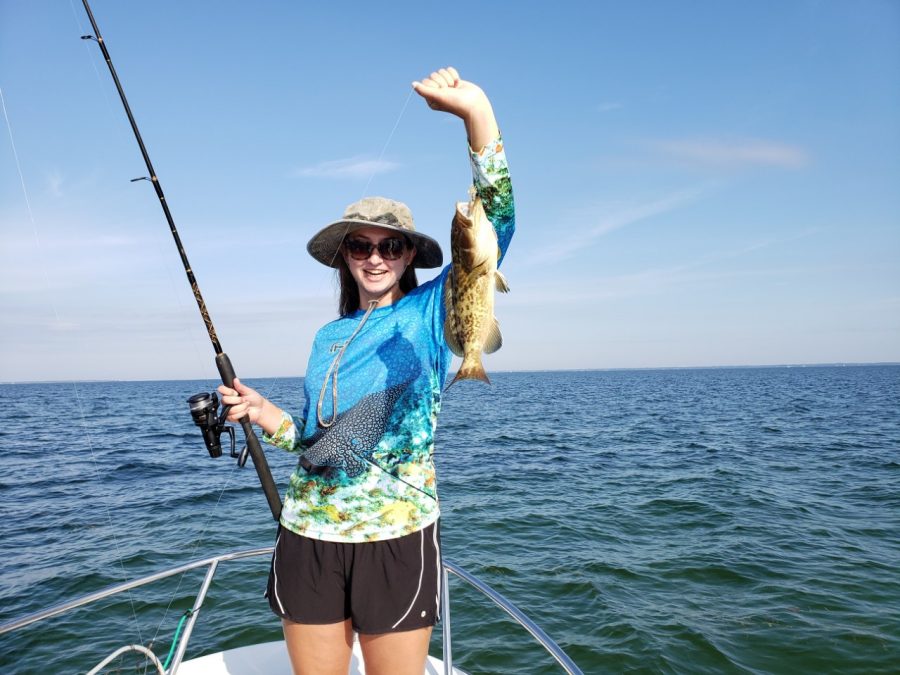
(470, 327)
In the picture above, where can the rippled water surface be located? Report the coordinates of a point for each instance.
(668, 521)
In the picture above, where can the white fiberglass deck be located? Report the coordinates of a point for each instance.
(270, 658)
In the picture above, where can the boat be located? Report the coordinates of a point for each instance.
(271, 657)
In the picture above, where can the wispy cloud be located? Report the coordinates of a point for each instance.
(23, 241)
(608, 106)
(608, 222)
(54, 184)
(352, 167)
(733, 153)
(710, 268)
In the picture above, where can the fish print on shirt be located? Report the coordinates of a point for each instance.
(349, 443)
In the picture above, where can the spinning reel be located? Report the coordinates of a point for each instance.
(204, 409)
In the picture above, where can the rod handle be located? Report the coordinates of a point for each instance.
(226, 371)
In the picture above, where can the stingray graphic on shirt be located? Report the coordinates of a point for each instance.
(350, 442)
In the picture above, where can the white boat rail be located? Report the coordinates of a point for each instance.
(212, 565)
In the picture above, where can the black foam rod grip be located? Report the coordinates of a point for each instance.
(226, 371)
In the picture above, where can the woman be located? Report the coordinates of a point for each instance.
(358, 542)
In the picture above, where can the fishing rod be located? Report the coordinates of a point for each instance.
(203, 406)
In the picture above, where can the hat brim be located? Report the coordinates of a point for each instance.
(325, 244)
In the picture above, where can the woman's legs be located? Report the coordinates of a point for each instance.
(400, 653)
(319, 649)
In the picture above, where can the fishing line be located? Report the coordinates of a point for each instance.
(117, 123)
(375, 167)
(372, 303)
(194, 551)
(387, 143)
(223, 363)
(202, 365)
(78, 399)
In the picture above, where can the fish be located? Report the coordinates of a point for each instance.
(470, 326)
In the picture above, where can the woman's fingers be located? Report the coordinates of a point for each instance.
(241, 400)
(440, 79)
(227, 391)
(242, 388)
(229, 395)
(238, 411)
(449, 78)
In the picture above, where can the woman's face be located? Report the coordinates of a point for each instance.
(377, 276)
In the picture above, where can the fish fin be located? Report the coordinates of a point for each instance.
(502, 284)
(494, 339)
(471, 369)
(451, 334)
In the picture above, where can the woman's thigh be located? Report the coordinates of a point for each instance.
(398, 653)
(319, 649)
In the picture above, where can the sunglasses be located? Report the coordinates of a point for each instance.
(388, 249)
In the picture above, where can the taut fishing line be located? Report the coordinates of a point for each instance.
(116, 123)
(84, 425)
(201, 404)
(375, 166)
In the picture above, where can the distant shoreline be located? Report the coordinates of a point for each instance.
(555, 370)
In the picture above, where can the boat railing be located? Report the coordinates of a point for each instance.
(212, 564)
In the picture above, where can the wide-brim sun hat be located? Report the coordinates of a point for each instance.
(387, 214)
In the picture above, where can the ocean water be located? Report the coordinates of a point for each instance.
(659, 521)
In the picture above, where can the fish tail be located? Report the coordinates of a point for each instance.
(471, 369)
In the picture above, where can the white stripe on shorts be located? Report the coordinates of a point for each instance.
(440, 572)
(275, 574)
(421, 572)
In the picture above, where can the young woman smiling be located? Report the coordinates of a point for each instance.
(358, 545)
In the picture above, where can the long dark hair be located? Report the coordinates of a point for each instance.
(349, 299)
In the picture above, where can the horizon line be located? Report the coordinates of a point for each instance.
(833, 364)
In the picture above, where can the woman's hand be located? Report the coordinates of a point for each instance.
(444, 90)
(245, 401)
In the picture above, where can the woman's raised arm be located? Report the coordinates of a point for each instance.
(444, 90)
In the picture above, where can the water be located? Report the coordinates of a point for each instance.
(669, 521)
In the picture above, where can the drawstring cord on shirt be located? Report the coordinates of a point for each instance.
(333, 369)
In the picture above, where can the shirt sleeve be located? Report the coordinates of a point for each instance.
(287, 437)
(490, 174)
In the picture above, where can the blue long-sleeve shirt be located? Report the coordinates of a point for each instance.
(375, 477)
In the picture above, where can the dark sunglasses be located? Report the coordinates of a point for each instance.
(388, 249)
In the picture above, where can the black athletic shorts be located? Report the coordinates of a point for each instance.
(382, 586)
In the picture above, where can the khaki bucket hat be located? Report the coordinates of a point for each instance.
(374, 212)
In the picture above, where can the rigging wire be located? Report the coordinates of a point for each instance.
(78, 398)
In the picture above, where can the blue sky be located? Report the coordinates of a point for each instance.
(705, 183)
